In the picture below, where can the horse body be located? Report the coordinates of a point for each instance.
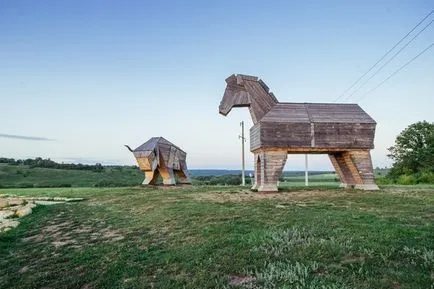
(343, 131)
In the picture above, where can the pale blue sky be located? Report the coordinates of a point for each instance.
(95, 75)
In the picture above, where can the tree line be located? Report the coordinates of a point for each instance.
(47, 163)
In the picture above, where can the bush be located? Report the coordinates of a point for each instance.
(407, 180)
(426, 178)
(383, 181)
(24, 185)
(45, 185)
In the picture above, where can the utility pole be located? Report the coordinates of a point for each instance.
(243, 139)
(306, 171)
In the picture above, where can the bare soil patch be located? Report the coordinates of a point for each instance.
(67, 234)
(240, 280)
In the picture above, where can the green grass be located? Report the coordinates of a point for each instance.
(24, 176)
(316, 180)
(222, 237)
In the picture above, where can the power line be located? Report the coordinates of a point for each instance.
(387, 53)
(388, 61)
(397, 71)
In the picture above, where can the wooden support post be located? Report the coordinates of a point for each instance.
(271, 167)
(257, 164)
(347, 171)
(167, 175)
(183, 177)
(354, 172)
(363, 164)
(150, 178)
(354, 169)
(339, 172)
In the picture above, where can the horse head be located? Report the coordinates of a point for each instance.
(235, 94)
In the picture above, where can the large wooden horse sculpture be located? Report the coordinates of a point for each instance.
(343, 131)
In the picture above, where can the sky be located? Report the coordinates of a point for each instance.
(79, 79)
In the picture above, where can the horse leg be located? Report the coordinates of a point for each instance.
(167, 175)
(150, 178)
(183, 177)
(363, 163)
(340, 168)
(257, 164)
(271, 167)
(354, 169)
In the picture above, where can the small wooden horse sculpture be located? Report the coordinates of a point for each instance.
(157, 157)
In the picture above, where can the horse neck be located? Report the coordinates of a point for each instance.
(261, 101)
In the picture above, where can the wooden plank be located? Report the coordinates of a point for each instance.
(264, 86)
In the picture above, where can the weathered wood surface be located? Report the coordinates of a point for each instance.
(344, 131)
(354, 169)
(268, 169)
(312, 135)
(159, 157)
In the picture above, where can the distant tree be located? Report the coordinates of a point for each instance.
(9, 161)
(413, 151)
(98, 168)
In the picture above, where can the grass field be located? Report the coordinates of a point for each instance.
(23, 176)
(222, 237)
(316, 180)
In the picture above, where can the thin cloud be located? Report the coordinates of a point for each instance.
(23, 137)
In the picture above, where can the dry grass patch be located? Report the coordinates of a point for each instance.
(248, 196)
(68, 234)
(240, 280)
(348, 259)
